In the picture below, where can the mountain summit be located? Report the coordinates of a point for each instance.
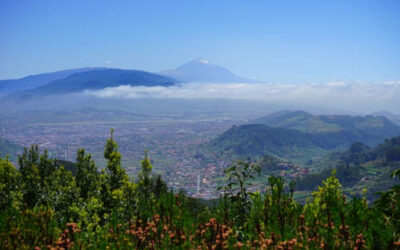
(201, 70)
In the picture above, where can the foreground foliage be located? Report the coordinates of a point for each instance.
(44, 205)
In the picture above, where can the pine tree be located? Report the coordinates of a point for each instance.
(9, 183)
(116, 175)
(87, 176)
(145, 175)
(28, 167)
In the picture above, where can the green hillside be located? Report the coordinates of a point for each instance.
(300, 137)
(357, 168)
(257, 140)
(298, 120)
(309, 158)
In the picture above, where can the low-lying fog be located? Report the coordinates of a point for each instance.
(350, 97)
(241, 100)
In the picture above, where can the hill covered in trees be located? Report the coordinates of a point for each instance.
(257, 140)
(358, 168)
(299, 136)
(44, 205)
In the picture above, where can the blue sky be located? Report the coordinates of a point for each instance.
(274, 41)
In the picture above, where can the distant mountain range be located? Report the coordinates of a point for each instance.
(98, 79)
(201, 70)
(34, 81)
(299, 136)
(75, 80)
(324, 124)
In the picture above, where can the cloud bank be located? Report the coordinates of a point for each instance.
(359, 97)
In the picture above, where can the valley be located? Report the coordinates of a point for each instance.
(172, 144)
(191, 153)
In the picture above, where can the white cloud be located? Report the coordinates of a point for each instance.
(351, 96)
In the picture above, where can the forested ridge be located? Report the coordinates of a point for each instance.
(358, 167)
(50, 204)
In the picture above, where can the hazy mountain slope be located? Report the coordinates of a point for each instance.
(34, 81)
(9, 148)
(200, 70)
(334, 130)
(298, 120)
(395, 118)
(99, 79)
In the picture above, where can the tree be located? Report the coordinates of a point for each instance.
(328, 205)
(9, 183)
(239, 176)
(62, 192)
(28, 167)
(329, 196)
(113, 179)
(87, 176)
(144, 175)
(279, 208)
(145, 188)
(116, 175)
(389, 204)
